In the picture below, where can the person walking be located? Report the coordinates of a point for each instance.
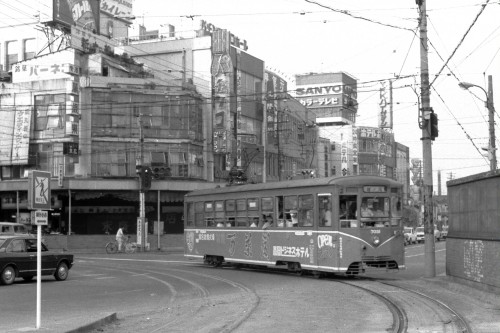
(119, 238)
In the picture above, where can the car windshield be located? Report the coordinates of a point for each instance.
(407, 229)
(420, 229)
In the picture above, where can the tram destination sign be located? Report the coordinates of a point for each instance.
(374, 189)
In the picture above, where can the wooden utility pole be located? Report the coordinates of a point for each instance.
(429, 248)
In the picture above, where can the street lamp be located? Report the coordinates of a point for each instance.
(491, 111)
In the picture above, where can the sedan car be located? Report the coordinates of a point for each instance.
(18, 259)
(410, 235)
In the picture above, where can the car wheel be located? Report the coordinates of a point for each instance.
(8, 275)
(62, 271)
(28, 278)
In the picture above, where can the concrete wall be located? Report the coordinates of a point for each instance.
(97, 243)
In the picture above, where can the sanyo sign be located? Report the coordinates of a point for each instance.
(327, 89)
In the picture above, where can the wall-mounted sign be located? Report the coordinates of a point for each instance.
(40, 217)
(233, 40)
(122, 8)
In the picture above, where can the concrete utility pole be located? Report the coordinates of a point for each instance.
(492, 150)
(429, 249)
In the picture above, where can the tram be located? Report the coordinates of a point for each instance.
(341, 225)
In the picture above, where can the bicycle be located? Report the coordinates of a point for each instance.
(112, 247)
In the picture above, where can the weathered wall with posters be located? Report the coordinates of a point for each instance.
(473, 243)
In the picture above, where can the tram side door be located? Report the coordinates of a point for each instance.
(327, 233)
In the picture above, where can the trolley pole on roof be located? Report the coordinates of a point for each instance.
(425, 116)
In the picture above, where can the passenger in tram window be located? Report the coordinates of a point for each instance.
(230, 222)
(343, 211)
(308, 219)
(220, 224)
(255, 222)
(293, 220)
(281, 221)
(327, 218)
(268, 222)
(352, 211)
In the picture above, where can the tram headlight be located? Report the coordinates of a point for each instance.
(376, 240)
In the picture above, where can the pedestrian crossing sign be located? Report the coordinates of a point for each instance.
(39, 190)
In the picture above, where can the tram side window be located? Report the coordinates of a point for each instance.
(305, 213)
(287, 210)
(219, 214)
(267, 213)
(241, 213)
(348, 211)
(209, 214)
(230, 213)
(325, 210)
(190, 214)
(396, 209)
(199, 220)
(253, 212)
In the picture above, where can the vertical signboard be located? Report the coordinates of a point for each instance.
(385, 102)
(222, 72)
(21, 137)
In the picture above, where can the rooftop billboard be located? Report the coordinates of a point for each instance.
(67, 13)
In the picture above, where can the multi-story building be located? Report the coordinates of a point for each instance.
(191, 109)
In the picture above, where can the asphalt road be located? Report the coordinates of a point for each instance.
(156, 291)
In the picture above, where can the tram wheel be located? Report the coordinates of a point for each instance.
(317, 274)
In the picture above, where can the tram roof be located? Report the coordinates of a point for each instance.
(357, 180)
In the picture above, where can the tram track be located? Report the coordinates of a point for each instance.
(179, 311)
(413, 310)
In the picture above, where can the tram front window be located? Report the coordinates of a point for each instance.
(375, 212)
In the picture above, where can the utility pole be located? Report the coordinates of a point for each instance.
(429, 248)
(141, 239)
(491, 117)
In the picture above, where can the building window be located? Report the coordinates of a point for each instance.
(29, 48)
(49, 111)
(11, 50)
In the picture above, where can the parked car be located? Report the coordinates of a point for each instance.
(11, 228)
(18, 259)
(444, 232)
(420, 234)
(410, 235)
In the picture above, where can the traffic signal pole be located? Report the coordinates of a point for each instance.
(141, 239)
(429, 248)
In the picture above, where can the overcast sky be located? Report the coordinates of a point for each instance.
(373, 41)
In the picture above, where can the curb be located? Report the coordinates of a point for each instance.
(86, 328)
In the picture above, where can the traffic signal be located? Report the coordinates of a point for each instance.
(161, 172)
(309, 172)
(147, 175)
(433, 125)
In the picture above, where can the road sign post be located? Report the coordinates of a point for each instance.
(39, 202)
